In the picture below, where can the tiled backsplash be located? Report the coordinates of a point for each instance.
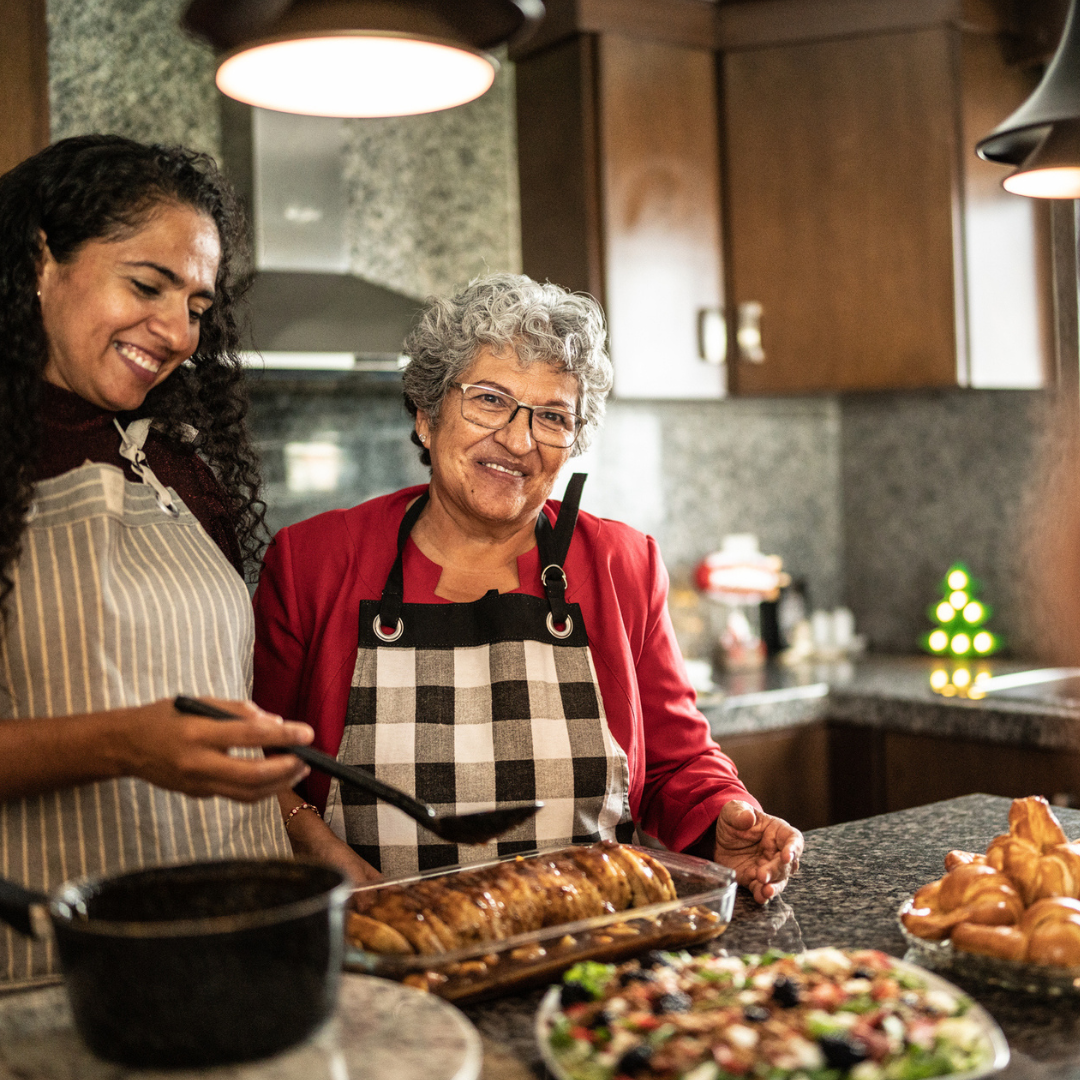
(932, 478)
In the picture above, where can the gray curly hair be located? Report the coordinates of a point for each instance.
(541, 323)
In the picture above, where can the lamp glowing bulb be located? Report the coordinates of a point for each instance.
(355, 74)
(945, 612)
(938, 641)
(973, 612)
(958, 599)
(960, 644)
(938, 678)
(983, 641)
(957, 579)
(961, 678)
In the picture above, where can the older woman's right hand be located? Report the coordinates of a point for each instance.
(190, 754)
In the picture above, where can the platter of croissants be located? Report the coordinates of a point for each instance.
(1009, 915)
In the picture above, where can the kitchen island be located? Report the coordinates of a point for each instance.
(853, 879)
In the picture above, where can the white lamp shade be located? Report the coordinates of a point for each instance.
(355, 74)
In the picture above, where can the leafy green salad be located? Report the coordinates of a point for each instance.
(825, 1014)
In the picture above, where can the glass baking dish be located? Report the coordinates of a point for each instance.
(705, 897)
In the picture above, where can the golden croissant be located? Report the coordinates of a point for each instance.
(1019, 901)
(1035, 853)
(971, 892)
(1032, 819)
(1047, 933)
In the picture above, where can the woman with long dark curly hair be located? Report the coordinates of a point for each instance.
(128, 507)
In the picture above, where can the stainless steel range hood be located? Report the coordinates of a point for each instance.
(303, 313)
(304, 303)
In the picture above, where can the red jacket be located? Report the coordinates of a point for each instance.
(317, 572)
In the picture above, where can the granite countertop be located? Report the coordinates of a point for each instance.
(853, 879)
(894, 692)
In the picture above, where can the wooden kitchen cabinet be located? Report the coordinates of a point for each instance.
(925, 768)
(787, 771)
(24, 82)
(872, 771)
(618, 149)
(866, 243)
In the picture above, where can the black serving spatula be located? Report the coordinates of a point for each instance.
(475, 828)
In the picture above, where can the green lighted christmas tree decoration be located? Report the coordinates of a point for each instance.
(959, 619)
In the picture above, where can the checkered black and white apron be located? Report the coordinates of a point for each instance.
(120, 598)
(473, 706)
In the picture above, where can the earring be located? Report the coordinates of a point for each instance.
(423, 439)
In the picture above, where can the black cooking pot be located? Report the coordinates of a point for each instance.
(194, 965)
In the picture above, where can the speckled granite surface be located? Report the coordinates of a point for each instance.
(853, 879)
(124, 66)
(432, 200)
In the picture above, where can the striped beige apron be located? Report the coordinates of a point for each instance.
(120, 599)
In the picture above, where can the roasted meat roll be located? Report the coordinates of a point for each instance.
(493, 903)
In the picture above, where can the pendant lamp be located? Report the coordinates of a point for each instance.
(1042, 138)
(358, 57)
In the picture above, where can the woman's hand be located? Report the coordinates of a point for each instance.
(190, 754)
(762, 850)
(314, 841)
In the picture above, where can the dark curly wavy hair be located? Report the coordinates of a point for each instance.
(103, 187)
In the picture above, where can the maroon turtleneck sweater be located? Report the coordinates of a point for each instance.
(73, 431)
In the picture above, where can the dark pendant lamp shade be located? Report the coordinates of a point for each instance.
(1042, 138)
(358, 57)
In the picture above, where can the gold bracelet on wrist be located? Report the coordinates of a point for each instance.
(296, 809)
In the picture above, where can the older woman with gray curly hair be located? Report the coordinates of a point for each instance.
(476, 643)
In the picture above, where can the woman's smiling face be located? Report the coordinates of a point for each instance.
(123, 314)
(498, 478)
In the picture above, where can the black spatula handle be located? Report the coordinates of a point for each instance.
(323, 762)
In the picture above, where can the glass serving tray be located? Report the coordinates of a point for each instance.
(1044, 979)
(702, 910)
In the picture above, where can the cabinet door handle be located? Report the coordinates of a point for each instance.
(712, 335)
(748, 333)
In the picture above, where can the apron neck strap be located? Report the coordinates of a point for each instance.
(553, 543)
(131, 449)
(393, 595)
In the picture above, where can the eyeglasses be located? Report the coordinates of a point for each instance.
(488, 408)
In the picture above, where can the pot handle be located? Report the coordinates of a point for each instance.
(25, 910)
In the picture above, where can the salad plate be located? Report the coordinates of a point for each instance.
(857, 1014)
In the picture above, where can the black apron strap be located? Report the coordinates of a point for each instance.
(553, 544)
(389, 622)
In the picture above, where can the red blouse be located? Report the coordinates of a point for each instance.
(317, 572)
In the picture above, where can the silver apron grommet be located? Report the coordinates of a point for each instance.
(377, 627)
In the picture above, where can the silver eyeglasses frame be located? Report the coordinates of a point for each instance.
(530, 409)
